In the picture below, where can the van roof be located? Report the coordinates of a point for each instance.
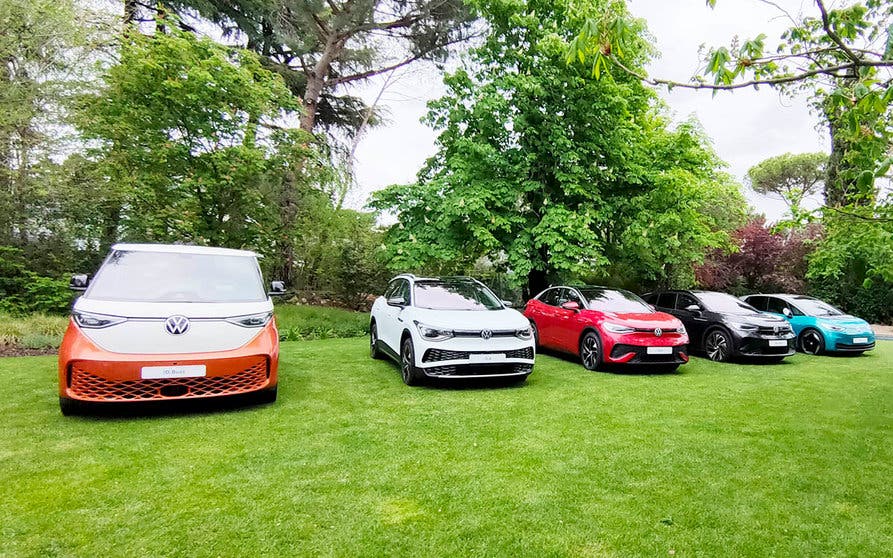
(183, 249)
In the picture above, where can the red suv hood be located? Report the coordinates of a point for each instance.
(644, 320)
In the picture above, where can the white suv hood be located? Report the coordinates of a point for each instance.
(144, 331)
(472, 319)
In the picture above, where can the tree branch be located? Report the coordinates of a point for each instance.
(754, 82)
(374, 72)
(857, 216)
(826, 24)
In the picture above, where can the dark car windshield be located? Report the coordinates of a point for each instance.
(815, 307)
(726, 303)
(454, 295)
(136, 276)
(615, 300)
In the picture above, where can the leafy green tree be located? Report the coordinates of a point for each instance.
(320, 47)
(837, 56)
(790, 177)
(37, 58)
(194, 144)
(551, 173)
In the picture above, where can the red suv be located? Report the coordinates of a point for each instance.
(604, 325)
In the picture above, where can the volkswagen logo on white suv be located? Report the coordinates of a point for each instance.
(486, 334)
(176, 325)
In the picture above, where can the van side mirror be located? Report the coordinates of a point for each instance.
(277, 288)
(397, 301)
(78, 283)
(787, 312)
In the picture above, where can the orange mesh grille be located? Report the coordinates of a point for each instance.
(85, 385)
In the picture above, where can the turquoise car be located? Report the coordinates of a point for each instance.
(819, 326)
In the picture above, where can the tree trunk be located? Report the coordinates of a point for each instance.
(536, 283)
(131, 9)
(316, 81)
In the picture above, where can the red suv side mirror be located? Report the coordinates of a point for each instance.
(571, 305)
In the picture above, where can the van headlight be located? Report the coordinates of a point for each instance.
(430, 333)
(524, 333)
(88, 320)
(252, 320)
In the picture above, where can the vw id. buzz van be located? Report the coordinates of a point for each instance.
(163, 322)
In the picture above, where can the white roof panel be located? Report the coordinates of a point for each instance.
(184, 249)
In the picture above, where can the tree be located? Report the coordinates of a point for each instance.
(193, 144)
(319, 46)
(550, 174)
(789, 177)
(832, 54)
(36, 51)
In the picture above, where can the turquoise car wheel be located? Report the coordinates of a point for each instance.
(812, 342)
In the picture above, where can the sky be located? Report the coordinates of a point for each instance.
(745, 126)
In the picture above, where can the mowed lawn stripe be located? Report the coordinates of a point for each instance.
(717, 460)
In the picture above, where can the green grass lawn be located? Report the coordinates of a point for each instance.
(717, 460)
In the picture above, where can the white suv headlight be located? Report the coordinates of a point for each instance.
(252, 320)
(89, 320)
(431, 333)
(617, 328)
(525, 333)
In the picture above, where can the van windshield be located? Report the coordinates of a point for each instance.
(136, 276)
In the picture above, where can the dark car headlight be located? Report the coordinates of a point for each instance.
(252, 320)
(89, 320)
(431, 333)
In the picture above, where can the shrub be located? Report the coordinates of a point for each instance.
(764, 261)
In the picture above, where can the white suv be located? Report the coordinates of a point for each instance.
(449, 327)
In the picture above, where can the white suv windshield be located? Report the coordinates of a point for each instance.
(454, 295)
(172, 277)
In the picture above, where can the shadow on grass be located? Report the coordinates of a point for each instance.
(172, 408)
(643, 369)
(476, 383)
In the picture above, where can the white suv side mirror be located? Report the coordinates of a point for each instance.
(397, 301)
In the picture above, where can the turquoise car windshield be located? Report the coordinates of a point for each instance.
(815, 307)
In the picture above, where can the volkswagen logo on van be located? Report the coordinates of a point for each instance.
(176, 325)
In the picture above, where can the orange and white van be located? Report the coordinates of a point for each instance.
(163, 322)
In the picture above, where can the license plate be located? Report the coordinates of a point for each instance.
(659, 350)
(778, 343)
(486, 357)
(860, 339)
(162, 372)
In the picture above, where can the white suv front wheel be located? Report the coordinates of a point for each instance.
(409, 372)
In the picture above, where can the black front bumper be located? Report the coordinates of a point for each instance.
(759, 347)
(854, 347)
